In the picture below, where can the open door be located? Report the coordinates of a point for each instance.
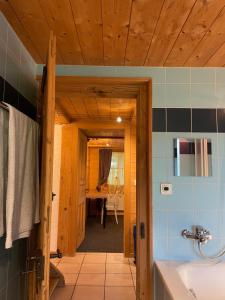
(81, 201)
(47, 125)
(72, 204)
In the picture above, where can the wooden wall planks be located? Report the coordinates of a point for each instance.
(106, 32)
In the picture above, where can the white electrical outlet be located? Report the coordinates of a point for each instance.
(166, 189)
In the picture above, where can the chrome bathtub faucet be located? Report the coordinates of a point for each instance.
(198, 233)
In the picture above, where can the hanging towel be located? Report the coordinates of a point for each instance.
(4, 122)
(22, 196)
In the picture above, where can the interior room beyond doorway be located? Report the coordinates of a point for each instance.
(94, 119)
(106, 237)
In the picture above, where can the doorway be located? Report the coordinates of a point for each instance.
(141, 90)
(107, 236)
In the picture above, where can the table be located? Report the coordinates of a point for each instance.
(92, 195)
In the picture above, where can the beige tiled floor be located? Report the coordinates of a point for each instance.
(96, 276)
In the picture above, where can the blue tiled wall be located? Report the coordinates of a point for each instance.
(16, 64)
(194, 200)
(19, 70)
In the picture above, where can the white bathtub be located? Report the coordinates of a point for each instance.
(189, 280)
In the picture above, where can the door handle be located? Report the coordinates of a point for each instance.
(142, 230)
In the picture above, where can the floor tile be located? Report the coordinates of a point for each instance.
(68, 268)
(118, 280)
(70, 279)
(93, 268)
(63, 293)
(118, 268)
(95, 258)
(88, 293)
(116, 258)
(91, 279)
(77, 259)
(119, 293)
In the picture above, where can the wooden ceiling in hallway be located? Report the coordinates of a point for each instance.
(101, 109)
(106, 143)
(123, 32)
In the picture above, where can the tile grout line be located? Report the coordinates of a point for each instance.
(132, 276)
(105, 273)
(104, 286)
(78, 274)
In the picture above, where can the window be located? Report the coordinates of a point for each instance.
(117, 169)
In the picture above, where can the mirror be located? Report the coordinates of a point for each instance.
(192, 157)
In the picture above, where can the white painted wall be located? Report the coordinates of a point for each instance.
(56, 186)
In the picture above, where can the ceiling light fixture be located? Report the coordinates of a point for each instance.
(118, 119)
(107, 145)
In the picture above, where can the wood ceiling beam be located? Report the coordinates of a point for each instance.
(71, 86)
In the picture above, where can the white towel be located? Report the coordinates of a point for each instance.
(4, 123)
(22, 197)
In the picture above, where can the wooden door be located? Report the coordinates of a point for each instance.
(47, 123)
(81, 200)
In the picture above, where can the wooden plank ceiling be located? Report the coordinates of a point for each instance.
(123, 32)
(106, 143)
(98, 109)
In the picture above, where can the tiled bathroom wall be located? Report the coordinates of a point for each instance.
(195, 200)
(17, 87)
(16, 65)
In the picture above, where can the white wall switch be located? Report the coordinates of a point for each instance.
(166, 189)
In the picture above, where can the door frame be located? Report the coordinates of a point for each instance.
(141, 89)
(68, 208)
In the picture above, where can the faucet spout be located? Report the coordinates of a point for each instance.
(199, 233)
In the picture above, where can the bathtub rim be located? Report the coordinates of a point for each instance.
(174, 285)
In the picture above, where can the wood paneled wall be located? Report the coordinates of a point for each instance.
(130, 187)
(92, 168)
(68, 190)
(132, 181)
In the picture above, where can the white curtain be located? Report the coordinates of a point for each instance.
(116, 174)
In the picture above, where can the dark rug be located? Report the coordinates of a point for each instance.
(99, 239)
